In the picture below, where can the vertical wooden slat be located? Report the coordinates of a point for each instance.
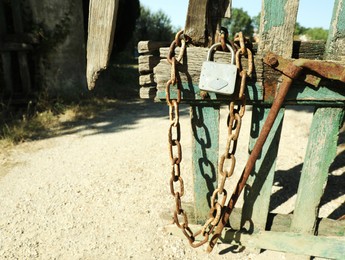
(259, 185)
(196, 21)
(335, 49)
(277, 25)
(204, 19)
(205, 146)
(6, 59)
(320, 154)
(102, 23)
(22, 56)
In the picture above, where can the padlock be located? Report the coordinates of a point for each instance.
(218, 77)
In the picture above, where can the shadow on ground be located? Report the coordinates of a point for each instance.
(288, 181)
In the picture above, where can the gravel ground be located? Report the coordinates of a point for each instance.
(99, 190)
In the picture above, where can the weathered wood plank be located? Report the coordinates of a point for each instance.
(328, 247)
(22, 56)
(321, 151)
(196, 21)
(277, 24)
(204, 19)
(259, 185)
(335, 49)
(147, 79)
(145, 47)
(277, 222)
(189, 74)
(147, 63)
(205, 147)
(6, 59)
(191, 65)
(102, 23)
(147, 92)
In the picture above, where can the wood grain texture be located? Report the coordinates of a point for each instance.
(102, 23)
(204, 19)
(259, 184)
(277, 25)
(147, 63)
(145, 47)
(147, 92)
(278, 19)
(336, 39)
(196, 20)
(321, 151)
(327, 247)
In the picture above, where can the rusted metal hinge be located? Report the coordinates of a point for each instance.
(313, 72)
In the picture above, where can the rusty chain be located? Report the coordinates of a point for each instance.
(219, 195)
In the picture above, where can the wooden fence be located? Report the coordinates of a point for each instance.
(302, 232)
(16, 69)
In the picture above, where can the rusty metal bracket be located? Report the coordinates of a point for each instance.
(315, 69)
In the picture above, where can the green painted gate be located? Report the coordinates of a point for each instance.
(302, 232)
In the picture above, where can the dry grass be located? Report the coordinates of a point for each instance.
(25, 127)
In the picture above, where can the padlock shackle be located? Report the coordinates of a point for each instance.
(219, 44)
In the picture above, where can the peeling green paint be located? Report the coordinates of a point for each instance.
(341, 19)
(274, 14)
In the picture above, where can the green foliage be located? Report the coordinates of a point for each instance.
(317, 33)
(299, 29)
(240, 22)
(311, 33)
(153, 26)
(256, 22)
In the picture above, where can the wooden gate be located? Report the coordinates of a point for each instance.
(15, 44)
(302, 232)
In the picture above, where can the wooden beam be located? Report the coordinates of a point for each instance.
(327, 247)
(204, 19)
(102, 23)
(195, 27)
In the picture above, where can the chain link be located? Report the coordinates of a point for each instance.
(219, 195)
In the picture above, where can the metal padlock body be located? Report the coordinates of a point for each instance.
(218, 77)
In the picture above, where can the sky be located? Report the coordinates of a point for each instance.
(311, 13)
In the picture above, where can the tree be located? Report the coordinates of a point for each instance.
(317, 33)
(240, 22)
(153, 26)
(299, 29)
(128, 13)
(256, 22)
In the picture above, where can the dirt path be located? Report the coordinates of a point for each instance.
(100, 190)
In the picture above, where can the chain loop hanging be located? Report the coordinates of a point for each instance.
(219, 195)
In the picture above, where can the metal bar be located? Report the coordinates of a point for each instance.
(294, 71)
